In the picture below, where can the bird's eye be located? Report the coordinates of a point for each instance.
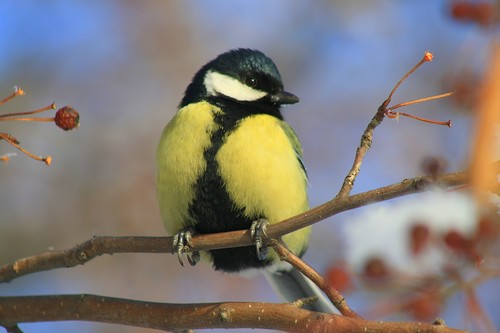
(251, 81)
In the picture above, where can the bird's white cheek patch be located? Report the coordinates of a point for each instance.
(220, 84)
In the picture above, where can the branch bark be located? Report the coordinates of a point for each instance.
(172, 317)
(100, 245)
(337, 299)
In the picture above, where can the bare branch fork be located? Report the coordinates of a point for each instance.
(383, 111)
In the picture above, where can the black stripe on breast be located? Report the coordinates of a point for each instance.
(212, 210)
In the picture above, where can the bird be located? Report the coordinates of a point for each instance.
(228, 161)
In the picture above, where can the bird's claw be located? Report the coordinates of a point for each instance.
(182, 244)
(257, 232)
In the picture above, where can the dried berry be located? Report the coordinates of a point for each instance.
(67, 118)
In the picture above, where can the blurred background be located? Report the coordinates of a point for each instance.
(124, 66)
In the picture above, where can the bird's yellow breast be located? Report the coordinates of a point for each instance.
(263, 174)
(180, 162)
(261, 170)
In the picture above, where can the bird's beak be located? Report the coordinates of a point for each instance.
(283, 97)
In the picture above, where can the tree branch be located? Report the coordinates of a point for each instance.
(172, 317)
(367, 137)
(337, 299)
(364, 145)
(100, 245)
(342, 204)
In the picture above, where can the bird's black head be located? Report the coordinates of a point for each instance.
(241, 76)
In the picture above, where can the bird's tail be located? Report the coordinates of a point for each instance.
(292, 285)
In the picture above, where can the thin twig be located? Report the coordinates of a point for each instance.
(420, 100)
(364, 146)
(17, 92)
(367, 137)
(47, 160)
(28, 119)
(337, 299)
(427, 57)
(392, 114)
(40, 110)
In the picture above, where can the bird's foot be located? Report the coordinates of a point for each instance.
(182, 244)
(257, 232)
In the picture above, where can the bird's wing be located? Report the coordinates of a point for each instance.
(294, 140)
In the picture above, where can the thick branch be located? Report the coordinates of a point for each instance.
(285, 317)
(99, 245)
(84, 252)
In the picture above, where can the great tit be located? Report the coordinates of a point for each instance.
(228, 159)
